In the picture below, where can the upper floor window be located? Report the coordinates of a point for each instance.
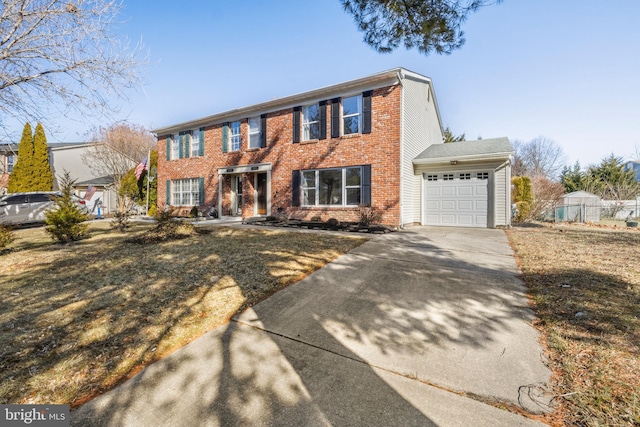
(195, 142)
(352, 115)
(310, 122)
(255, 132)
(175, 146)
(236, 139)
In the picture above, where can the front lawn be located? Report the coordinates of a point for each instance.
(585, 289)
(80, 318)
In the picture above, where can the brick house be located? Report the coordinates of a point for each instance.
(325, 152)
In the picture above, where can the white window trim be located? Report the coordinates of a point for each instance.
(232, 143)
(344, 187)
(254, 134)
(194, 135)
(306, 124)
(181, 188)
(175, 146)
(358, 114)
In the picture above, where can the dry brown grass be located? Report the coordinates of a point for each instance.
(78, 319)
(585, 288)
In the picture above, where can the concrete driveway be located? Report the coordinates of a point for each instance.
(428, 326)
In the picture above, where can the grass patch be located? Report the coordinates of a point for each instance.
(585, 288)
(80, 318)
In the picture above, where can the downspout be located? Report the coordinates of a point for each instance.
(508, 192)
(401, 181)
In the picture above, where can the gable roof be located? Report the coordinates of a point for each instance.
(374, 81)
(483, 149)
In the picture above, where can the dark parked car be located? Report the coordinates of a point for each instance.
(28, 208)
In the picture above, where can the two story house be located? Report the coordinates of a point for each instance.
(326, 152)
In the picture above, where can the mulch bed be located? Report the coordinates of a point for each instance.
(353, 227)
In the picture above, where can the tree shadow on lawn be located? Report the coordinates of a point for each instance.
(599, 305)
(88, 315)
(305, 357)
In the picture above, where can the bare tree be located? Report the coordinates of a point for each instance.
(547, 195)
(62, 54)
(539, 157)
(117, 149)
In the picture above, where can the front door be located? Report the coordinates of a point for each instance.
(261, 187)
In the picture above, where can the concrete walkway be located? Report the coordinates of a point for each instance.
(421, 327)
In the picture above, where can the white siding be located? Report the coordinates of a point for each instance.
(502, 213)
(420, 128)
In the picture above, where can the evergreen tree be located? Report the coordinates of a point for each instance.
(573, 179)
(450, 137)
(65, 222)
(611, 181)
(42, 177)
(20, 178)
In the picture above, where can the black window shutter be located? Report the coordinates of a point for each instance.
(335, 118)
(295, 188)
(181, 145)
(296, 124)
(323, 119)
(366, 185)
(263, 130)
(201, 190)
(168, 193)
(168, 147)
(225, 137)
(201, 153)
(366, 112)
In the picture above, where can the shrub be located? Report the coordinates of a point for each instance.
(121, 218)
(316, 218)
(368, 215)
(6, 236)
(194, 212)
(522, 197)
(64, 222)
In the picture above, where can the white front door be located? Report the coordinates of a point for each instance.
(457, 199)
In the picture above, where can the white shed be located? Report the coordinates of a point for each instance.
(579, 206)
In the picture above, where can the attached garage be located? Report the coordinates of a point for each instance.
(466, 184)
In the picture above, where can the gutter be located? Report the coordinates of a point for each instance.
(475, 157)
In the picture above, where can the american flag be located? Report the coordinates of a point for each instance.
(89, 193)
(141, 167)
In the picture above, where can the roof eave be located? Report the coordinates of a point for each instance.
(503, 156)
(380, 79)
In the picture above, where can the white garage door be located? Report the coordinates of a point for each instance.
(457, 199)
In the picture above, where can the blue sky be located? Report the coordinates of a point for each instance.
(568, 70)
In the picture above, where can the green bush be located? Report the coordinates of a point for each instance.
(194, 212)
(6, 236)
(65, 221)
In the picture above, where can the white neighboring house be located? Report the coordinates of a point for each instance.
(67, 156)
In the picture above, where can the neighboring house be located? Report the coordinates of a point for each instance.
(69, 157)
(8, 156)
(635, 167)
(326, 152)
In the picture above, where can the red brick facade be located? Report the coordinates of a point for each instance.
(380, 148)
